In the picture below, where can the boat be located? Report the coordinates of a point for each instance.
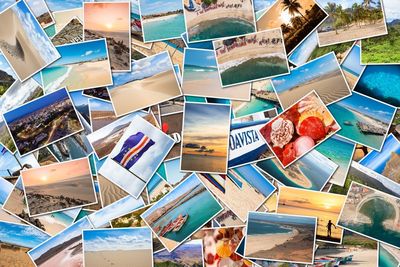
(173, 225)
(180, 222)
(348, 123)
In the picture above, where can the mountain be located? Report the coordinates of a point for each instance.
(394, 22)
(6, 81)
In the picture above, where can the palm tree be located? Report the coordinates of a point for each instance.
(293, 6)
(367, 3)
(286, 28)
(331, 9)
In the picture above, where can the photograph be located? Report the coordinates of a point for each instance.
(207, 20)
(323, 75)
(161, 20)
(371, 213)
(188, 254)
(325, 206)
(171, 124)
(182, 212)
(41, 12)
(99, 93)
(119, 247)
(101, 114)
(299, 129)
(131, 219)
(379, 50)
(152, 80)
(310, 172)
(351, 66)
(16, 240)
(355, 251)
(23, 42)
(381, 83)
(351, 20)
(136, 156)
(57, 5)
(58, 187)
(82, 65)
(251, 57)
(242, 190)
(201, 77)
(136, 26)
(42, 121)
(205, 137)
(63, 17)
(71, 33)
(8, 77)
(296, 18)
(388, 256)
(110, 192)
(110, 20)
(174, 173)
(157, 188)
(66, 247)
(363, 119)
(280, 237)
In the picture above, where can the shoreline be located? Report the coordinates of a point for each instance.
(161, 18)
(236, 62)
(261, 245)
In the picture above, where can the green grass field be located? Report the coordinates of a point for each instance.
(339, 49)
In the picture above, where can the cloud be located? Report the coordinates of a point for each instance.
(87, 53)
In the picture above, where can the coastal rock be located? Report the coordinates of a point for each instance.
(391, 169)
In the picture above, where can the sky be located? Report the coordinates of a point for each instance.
(301, 54)
(159, 6)
(5, 3)
(368, 106)
(154, 181)
(262, 4)
(250, 174)
(58, 5)
(207, 125)
(5, 189)
(78, 99)
(345, 3)
(117, 239)
(352, 60)
(202, 58)
(107, 17)
(81, 52)
(143, 68)
(278, 218)
(4, 66)
(306, 72)
(173, 169)
(67, 234)
(21, 235)
(7, 162)
(377, 160)
(36, 104)
(38, 7)
(392, 10)
(55, 173)
(99, 105)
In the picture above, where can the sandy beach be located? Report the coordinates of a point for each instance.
(350, 78)
(330, 88)
(69, 256)
(109, 191)
(158, 190)
(146, 92)
(15, 202)
(134, 258)
(101, 118)
(63, 17)
(361, 256)
(14, 256)
(17, 47)
(52, 226)
(258, 243)
(160, 18)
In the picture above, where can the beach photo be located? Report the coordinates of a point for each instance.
(152, 80)
(101, 114)
(63, 17)
(8, 77)
(371, 213)
(66, 247)
(161, 20)
(131, 219)
(82, 65)
(16, 240)
(110, 20)
(23, 42)
(42, 121)
(299, 129)
(172, 125)
(280, 237)
(41, 11)
(120, 247)
(312, 171)
(71, 33)
(388, 255)
(157, 188)
(323, 75)
(363, 120)
(207, 20)
(296, 18)
(136, 26)
(182, 212)
(325, 206)
(380, 82)
(58, 187)
(98, 93)
(351, 66)
(136, 156)
(251, 57)
(188, 254)
(201, 77)
(351, 20)
(244, 189)
(109, 192)
(205, 137)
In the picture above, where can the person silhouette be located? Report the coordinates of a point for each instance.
(329, 227)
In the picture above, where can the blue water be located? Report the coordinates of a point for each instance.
(51, 74)
(349, 70)
(352, 132)
(202, 45)
(62, 218)
(170, 28)
(259, 228)
(382, 83)
(198, 73)
(255, 105)
(50, 31)
(386, 259)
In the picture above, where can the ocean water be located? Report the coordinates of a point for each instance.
(200, 208)
(253, 69)
(352, 132)
(255, 105)
(382, 83)
(62, 218)
(218, 28)
(164, 29)
(386, 259)
(53, 77)
(259, 228)
(203, 163)
(349, 70)
(198, 73)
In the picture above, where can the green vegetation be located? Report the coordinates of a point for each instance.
(357, 240)
(173, 264)
(381, 49)
(343, 190)
(6, 140)
(339, 49)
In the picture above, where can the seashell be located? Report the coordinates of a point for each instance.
(281, 132)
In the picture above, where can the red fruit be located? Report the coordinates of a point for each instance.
(288, 154)
(266, 132)
(278, 151)
(210, 258)
(292, 114)
(312, 127)
(235, 257)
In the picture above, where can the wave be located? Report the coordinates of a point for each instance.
(56, 83)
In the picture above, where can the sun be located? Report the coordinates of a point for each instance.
(109, 25)
(285, 16)
(43, 178)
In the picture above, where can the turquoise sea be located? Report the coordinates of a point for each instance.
(254, 69)
(349, 70)
(200, 209)
(255, 105)
(352, 132)
(386, 259)
(169, 28)
(192, 73)
(62, 218)
(259, 228)
(53, 76)
(218, 28)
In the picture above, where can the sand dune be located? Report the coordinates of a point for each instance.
(109, 191)
(350, 78)
(138, 94)
(14, 256)
(133, 258)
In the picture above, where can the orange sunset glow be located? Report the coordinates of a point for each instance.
(107, 17)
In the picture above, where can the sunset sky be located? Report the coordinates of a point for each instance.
(109, 17)
(56, 172)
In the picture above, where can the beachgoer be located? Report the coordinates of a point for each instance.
(329, 227)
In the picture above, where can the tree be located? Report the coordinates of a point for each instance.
(286, 28)
(297, 22)
(331, 9)
(293, 6)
